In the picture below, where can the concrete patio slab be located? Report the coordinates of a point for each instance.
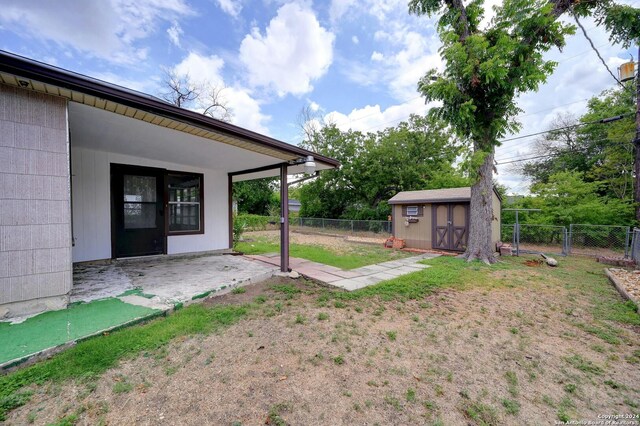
(124, 292)
(168, 280)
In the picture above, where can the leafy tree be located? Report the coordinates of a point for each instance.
(486, 69)
(603, 153)
(375, 166)
(256, 196)
(567, 198)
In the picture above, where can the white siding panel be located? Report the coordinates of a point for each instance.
(92, 205)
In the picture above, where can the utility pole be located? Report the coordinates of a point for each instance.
(636, 142)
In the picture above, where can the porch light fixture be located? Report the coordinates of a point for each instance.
(309, 165)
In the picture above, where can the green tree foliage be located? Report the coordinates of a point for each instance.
(375, 166)
(588, 174)
(485, 71)
(600, 154)
(568, 198)
(256, 196)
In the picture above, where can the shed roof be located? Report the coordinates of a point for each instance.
(446, 195)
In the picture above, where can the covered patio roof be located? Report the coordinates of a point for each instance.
(98, 108)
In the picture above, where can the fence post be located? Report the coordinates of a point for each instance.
(352, 226)
(570, 242)
(565, 241)
(323, 223)
(626, 243)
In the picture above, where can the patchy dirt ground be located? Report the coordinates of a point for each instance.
(330, 242)
(519, 355)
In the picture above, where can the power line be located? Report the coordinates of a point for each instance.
(601, 121)
(594, 47)
(557, 154)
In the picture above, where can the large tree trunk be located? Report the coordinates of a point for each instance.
(480, 246)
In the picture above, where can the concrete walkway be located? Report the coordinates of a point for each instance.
(353, 279)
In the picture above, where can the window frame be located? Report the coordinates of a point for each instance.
(168, 203)
(417, 210)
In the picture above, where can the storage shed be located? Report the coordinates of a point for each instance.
(437, 218)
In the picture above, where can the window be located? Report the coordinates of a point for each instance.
(412, 210)
(185, 203)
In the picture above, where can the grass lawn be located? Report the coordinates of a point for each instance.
(348, 256)
(456, 343)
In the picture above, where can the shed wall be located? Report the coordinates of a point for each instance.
(35, 235)
(416, 235)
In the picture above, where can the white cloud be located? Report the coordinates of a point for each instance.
(377, 56)
(355, 39)
(245, 110)
(409, 55)
(294, 51)
(338, 8)
(231, 7)
(372, 118)
(175, 32)
(314, 106)
(106, 29)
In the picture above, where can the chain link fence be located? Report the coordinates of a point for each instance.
(342, 226)
(599, 240)
(529, 238)
(577, 239)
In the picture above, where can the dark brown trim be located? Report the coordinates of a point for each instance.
(230, 208)
(168, 232)
(44, 73)
(284, 220)
(257, 169)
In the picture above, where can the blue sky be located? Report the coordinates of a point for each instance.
(355, 62)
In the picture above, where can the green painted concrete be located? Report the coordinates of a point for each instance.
(136, 292)
(57, 327)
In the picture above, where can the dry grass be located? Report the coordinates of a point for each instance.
(506, 345)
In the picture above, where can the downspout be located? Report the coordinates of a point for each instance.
(230, 208)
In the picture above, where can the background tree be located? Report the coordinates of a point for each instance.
(601, 152)
(375, 166)
(256, 196)
(485, 71)
(205, 97)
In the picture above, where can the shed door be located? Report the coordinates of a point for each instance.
(450, 228)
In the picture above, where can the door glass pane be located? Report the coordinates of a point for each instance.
(139, 188)
(139, 202)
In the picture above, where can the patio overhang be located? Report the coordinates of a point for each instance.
(108, 118)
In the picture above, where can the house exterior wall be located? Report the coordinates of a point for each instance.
(35, 235)
(91, 195)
